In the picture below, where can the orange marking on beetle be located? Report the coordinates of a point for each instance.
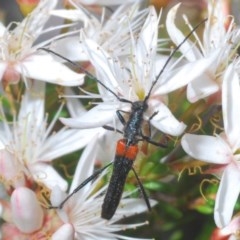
(129, 152)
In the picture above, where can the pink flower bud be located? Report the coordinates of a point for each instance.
(27, 213)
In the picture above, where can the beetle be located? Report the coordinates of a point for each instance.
(127, 147)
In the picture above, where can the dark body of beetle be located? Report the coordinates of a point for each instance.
(126, 152)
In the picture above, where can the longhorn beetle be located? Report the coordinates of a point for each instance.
(127, 147)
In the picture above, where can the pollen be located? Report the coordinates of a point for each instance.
(141, 93)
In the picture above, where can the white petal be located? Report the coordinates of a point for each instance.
(26, 210)
(132, 206)
(231, 106)
(74, 106)
(85, 166)
(70, 48)
(102, 61)
(166, 122)
(149, 31)
(96, 117)
(90, 2)
(65, 232)
(201, 87)
(2, 29)
(33, 24)
(188, 49)
(57, 196)
(227, 195)
(32, 104)
(46, 174)
(107, 2)
(2, 146)
(215, 33)
(10, 168)
(70, 14)
(107, 141)
(206, 148)
(188, 73)
(147, 40)
(45, 68)
(66, 141)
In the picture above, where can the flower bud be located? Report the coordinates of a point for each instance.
(26, 211)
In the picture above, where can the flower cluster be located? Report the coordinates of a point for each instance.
(115, 54)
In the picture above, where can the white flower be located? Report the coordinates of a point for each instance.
(222, 149)
(132, 79)
(111, 32)
(215, 51)
(28, 145)
(82, 210)
(19, 58)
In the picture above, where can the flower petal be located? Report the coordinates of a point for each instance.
(147, 39)
(227, 195)
(107, 69)
(132, 206)
(107, 2)
(66, 141)
(85, 166)
(231, 107)
(166, 122)
(56, 198)
(32, 105)
(189, 73)
(96, 117)
(188, 49)
(48, 175)
(206, 148)
(10, 168)
(43, 67)
(2, 29)
(70, 48)
(201, 87)
(70, 14)
(33, 24)
(74, 106)
(2, 145)
(65, 232)
(215, 33)
(26, 210)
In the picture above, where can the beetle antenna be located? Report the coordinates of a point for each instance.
(171, 56)
(86, 72)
